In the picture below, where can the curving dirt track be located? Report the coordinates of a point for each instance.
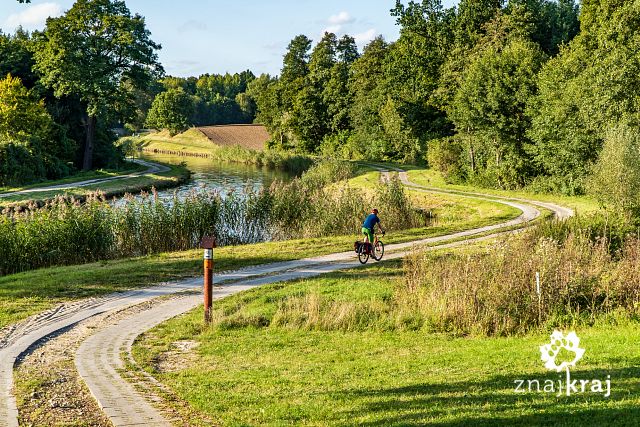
(99, 358)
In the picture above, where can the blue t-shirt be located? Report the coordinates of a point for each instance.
(371, 221)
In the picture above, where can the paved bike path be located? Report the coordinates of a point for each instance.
(151, 169)
(91, 353)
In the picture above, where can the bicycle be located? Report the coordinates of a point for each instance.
(366, 250)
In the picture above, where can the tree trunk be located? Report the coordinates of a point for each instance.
(87, 161)
(472, 154)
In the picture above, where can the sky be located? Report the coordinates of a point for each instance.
(218, 36)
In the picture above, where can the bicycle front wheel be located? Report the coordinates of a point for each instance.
(378, 251)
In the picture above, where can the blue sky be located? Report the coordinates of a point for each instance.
(217, 36)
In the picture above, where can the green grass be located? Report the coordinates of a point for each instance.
(432, 178)
(191, 141)
(273, 375)
(447, 208)
(27, 293)
(22, 295)
(81, 176)
(171, 178)
(194, 143)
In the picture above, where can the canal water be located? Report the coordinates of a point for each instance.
(223, 177)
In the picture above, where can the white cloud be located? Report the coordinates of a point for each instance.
(33, 17)
(365, 37)
(336, 23)
(332, 29)
(341, 18)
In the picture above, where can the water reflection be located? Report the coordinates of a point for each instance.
(222, 177)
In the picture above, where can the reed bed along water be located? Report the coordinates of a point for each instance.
(67, 232)
(272, 159)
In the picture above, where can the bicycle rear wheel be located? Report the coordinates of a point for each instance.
(378, 251)
(363, 254)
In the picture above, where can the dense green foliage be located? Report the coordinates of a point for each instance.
(27, 135)
(171, 110)
(508, 94)
(97, 51)
(87, 68)
(616, 178)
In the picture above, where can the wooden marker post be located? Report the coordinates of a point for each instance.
(208, 243)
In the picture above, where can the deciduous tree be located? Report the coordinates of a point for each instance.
(22, 116)
(90, 52)
(490, 105)
(171, 110)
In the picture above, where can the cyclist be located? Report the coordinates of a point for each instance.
(369, 224)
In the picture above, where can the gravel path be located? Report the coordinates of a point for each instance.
(98, 359)
(151, 168)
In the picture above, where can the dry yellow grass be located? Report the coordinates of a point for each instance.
(253, 137)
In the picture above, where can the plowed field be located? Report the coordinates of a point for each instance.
(248, 136)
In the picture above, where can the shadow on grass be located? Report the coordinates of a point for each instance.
(493, 402)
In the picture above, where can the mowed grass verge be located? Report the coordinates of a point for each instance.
(22, 295)
(80, 176)
(251, 368)
(432, 178)
(172, 178)
(192, 142)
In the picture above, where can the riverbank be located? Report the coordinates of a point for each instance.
(127, 168)
(166, 176)
(193, 143)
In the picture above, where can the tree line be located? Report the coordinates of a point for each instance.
(211, 99)
(93, 69)
(63, 88)
(505, 94)
(537, 93)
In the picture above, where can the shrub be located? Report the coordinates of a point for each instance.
(616, 175)
(569, 185)
(610, 227)
(272, 159)
(445, 155)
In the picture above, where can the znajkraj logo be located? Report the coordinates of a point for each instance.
(569, 346)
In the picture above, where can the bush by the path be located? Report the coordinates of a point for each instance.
(586, 273)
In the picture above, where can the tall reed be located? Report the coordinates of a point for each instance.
(309, 207)
(495, 293)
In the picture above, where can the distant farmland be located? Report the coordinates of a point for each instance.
(248, 136)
